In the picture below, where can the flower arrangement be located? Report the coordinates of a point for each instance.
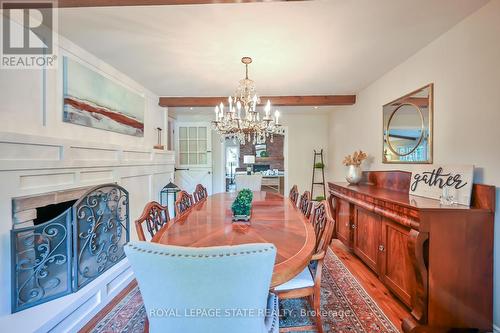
(242, 205)
(355, 159)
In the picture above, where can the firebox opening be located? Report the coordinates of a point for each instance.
(47, 213)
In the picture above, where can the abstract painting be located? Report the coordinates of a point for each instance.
(93, 100)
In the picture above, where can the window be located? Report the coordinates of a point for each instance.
(193, 145)
(418, 154)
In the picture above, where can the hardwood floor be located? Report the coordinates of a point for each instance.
(390, 305)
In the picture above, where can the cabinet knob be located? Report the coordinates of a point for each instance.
(381, 248)
(353, 226)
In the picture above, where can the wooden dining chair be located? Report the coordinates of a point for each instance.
(308, 282)
(306, 204)
(183, 203)
(294, 194)
(155, 216)
(200, 193)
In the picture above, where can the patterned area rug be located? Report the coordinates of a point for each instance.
(346, 307)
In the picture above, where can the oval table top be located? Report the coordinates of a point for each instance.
(274, 220)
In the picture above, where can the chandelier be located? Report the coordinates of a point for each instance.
(241, 121)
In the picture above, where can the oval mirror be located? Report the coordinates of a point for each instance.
(405, 129)
(408, 128)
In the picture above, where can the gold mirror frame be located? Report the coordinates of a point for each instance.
(403, 102)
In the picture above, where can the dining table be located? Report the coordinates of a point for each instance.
(274, 219)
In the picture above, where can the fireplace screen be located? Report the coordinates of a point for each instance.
(64, 254)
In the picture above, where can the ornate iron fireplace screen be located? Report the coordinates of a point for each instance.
(62, 255)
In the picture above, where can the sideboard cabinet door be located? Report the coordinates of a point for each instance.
(343, 222)
(396, 270)
(367, 237)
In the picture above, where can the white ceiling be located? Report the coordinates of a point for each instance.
(299, 48)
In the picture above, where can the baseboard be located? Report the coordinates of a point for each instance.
(496, 329)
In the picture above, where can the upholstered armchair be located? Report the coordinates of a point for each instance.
(308, 282)
(251, 182)
(214, 289)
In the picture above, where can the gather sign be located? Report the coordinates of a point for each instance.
(435, 181)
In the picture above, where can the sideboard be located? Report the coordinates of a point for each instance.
(438, 260)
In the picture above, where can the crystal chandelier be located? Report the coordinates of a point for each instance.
(241, 121)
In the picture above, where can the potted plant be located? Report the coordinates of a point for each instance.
(353, 162)
(242, 206)
(319, 165)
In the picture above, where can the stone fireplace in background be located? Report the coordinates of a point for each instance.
(61, 241)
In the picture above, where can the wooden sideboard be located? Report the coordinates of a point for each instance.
(438, 260)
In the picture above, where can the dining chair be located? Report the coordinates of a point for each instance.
(154, 216)
(306, 204)
(223, 289)
(294, 194)
(308, 282)
(251, 182)
(200, 193)
(183, 203)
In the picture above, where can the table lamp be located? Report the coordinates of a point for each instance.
(249, 160)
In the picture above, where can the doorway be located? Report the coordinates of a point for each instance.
(193, 146)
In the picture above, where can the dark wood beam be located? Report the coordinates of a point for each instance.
(109, 3)
(312, 100)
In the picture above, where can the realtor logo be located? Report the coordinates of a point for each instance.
(28, 34)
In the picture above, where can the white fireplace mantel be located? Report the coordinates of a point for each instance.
(31, 165)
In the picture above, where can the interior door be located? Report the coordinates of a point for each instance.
(367, 237)
(193, 146)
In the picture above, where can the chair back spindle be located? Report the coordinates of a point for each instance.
(200, 193)
(306, 204)
(294, 194)
(154, 216)
(323, 225)
(183, 203)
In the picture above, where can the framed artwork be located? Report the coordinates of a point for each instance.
(93, 100)
(260, 150)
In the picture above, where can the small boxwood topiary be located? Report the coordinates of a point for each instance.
(243, 203)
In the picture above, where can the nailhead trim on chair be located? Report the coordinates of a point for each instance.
(199, 255)
(274, 317)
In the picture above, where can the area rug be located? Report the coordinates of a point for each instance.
(346, 307)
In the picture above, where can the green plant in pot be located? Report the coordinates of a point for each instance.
(319, 165)
(242, 205)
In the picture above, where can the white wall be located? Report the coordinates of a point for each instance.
(305, 132)
(464, 64)
(40, 153)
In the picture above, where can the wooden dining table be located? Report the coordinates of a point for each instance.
(274, 219)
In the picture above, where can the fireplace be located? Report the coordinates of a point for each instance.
(61, 241)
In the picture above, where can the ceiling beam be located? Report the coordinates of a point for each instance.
(109, 3)
(312, 100)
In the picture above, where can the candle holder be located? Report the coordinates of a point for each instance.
(159, 145)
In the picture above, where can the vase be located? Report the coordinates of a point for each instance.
(353, 174)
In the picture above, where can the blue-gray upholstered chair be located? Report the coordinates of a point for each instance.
(228, 285)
